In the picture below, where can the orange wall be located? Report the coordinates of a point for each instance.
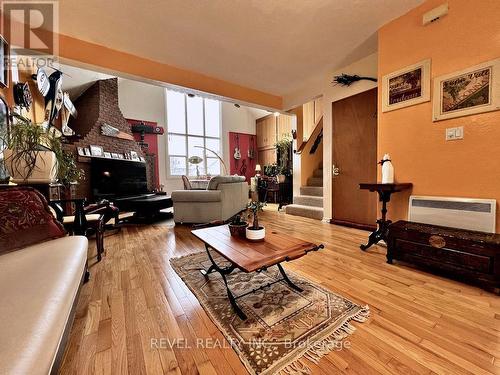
(468, 35)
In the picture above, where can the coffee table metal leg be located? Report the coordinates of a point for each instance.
(214, 266)
(209, 271)
(232, 300)
(223, 271)
(287, 280)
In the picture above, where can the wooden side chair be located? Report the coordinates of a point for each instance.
(187, 183)
(81, 223)
(272, 189)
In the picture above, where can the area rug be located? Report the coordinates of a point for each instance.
(284, 329)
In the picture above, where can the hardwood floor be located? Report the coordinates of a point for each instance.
(419, 324)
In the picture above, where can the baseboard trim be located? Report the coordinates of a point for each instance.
(350, 224)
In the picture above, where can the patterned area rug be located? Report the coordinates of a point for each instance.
(284, 328)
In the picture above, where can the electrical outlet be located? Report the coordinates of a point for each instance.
(459, 132)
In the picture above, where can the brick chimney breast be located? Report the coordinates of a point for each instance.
(96, 106)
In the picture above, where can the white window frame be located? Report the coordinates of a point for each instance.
(206, 155)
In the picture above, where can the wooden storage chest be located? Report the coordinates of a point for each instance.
(468, 256)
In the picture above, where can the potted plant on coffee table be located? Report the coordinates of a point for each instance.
(237, 226)
(255, 232)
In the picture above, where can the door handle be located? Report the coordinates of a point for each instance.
(335, 170)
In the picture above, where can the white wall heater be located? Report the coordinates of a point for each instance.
(463, 213)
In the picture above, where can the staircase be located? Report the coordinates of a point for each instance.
(310, 201)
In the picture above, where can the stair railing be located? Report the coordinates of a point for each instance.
(317, 139)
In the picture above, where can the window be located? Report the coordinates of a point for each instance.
(193, 122)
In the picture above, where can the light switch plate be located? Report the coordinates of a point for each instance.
(450, 134)
(453, 134)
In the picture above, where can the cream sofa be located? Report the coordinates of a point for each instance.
(225, 197)
(39, 286)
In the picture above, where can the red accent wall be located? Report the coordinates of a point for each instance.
(152, 141)
(245, 141)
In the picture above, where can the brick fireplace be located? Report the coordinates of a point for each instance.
(96, 106)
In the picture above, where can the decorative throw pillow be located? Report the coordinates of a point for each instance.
(25, 219)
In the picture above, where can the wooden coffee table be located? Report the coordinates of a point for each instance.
(251, 256)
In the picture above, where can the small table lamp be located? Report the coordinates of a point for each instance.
(258, 169)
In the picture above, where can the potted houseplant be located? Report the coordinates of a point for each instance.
(237, 226)
(283, 148)
(36, 155)
(68, 173)
(29, 155)
(255, 232)
(271, 170)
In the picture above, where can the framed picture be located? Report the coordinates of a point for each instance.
(96, 150)
(86, 151)
(114, 155)
(4, 58)
(408, 86)
(133, 155)
(107, 154)
(81, 152)
(467, 92)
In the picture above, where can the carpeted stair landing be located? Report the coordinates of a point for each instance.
(310, 201)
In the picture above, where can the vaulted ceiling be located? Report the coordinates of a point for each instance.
(270, 45)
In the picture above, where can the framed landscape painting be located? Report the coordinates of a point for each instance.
(467, 92)
(408, 86)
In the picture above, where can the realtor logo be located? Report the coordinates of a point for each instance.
(31, 27)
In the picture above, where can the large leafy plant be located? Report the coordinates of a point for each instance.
(27, 139)
(283, 147)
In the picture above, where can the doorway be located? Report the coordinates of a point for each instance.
(354, 127)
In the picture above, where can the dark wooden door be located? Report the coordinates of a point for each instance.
(354, 122)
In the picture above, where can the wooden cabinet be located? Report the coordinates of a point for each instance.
(267, 157)
(284, 127)
(269, 130)
(259, 132)
(266, 132)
